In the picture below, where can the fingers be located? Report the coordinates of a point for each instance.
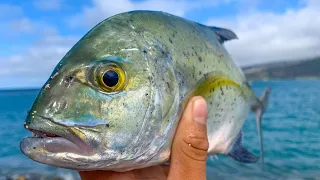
(154, 172)
(190, 145)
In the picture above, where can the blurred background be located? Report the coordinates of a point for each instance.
(278, 46)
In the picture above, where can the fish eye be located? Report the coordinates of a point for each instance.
(112, 78)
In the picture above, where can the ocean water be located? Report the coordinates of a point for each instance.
(291, 130)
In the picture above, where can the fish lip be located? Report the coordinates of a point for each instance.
(73, 138)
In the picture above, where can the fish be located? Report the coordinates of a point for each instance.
(115, 99)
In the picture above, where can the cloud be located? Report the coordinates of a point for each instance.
(48, 4)
(8, 11)
(268, 36)
(33, 67)
(22, 25)
(263, 36)
(15, 24)
(101, 9)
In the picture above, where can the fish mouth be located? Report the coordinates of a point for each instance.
(45, 141)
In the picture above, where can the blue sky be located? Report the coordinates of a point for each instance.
(35, 34)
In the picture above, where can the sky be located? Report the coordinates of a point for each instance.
(36, 34)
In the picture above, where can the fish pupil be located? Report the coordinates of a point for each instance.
(110, 78)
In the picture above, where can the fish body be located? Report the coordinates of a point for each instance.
(115, 99)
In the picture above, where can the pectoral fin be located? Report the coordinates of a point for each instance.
(241, 154)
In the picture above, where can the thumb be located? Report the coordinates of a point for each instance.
(190, 144)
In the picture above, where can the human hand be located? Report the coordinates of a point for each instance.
(188, 151)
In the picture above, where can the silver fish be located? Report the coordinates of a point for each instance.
(115, 99)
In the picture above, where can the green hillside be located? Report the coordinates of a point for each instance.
(309, 68)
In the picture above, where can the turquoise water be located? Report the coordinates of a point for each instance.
(291, 129)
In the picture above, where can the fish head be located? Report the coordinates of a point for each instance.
(109, 104)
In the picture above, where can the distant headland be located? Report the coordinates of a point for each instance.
(298, 69)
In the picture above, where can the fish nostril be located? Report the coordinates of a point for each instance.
(69, 79)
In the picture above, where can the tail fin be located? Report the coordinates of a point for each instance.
(258, 109)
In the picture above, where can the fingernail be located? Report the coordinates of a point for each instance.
(200, 111)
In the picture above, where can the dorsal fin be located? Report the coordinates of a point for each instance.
(223, 34)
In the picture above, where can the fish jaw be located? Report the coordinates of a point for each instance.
(52, 146)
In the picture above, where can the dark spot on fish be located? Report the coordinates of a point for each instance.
(34, 147)
(222, 93)
(147, 94)
(168, 84)
(170, 40)
(206, 75)
(200, 59)
(145, 51)
(210, 103)
(150, 78)
(107, 125)
(163, 53)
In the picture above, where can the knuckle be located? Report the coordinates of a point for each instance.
(197, 141)
(195, 147)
